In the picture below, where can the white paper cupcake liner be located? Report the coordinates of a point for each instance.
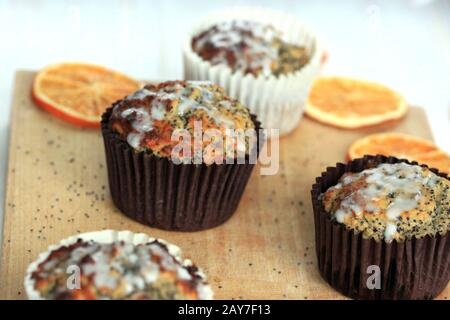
(110, 236)
(277, 101)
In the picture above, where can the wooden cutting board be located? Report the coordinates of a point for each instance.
(57, 187)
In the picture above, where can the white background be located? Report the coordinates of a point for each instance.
(404, 44)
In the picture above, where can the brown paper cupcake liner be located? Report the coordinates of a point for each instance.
(412, 269)
(156, 192)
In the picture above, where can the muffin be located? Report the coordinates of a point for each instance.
(249, 47)
(382, 228)
(126, 267)
(179, 154)
(265, 59)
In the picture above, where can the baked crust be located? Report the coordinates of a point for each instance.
(117, 270)
(249, 47)
(391, 201)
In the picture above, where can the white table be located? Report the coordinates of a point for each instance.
(404, 44)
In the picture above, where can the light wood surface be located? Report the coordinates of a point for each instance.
(57, 187)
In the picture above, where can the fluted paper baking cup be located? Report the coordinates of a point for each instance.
(110, 236)
(183, 197)
(410, 269)
(277, 101)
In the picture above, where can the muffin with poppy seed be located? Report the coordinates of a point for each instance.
(264, 58)
(115, 265)
(179, 154)
(250, 47)
(382, 228)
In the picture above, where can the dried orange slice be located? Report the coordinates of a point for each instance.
(79, 92)
(401, 146)
(350, 103)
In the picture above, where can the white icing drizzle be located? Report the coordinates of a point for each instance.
(204, 291)
(139, 95)
(129, 265)
(340, 215)
(144, 117)
(134, 139)
(230, 35)
(401, 183)
(391, 230)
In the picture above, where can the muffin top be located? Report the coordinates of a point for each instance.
(391, 201)
(250, 47)
(118, 271)
(148, 118)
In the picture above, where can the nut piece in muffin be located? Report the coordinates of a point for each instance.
(250, 47)
(391, 202)
(148, 118)
(118, 270)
